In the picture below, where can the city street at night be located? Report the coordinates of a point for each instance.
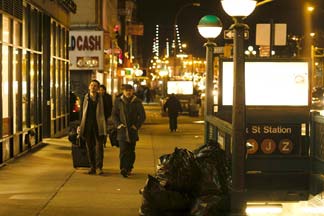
(44, 183)
(233, 92)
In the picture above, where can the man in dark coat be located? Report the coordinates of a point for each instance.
(128, 115)
(173, 106)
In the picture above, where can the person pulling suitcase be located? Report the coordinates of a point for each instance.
(93, 128)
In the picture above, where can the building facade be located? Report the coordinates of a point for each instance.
(93, 48)
(34, 72)
(114, 24)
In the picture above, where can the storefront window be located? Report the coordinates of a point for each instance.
(32, 74)
(16, 77)
(6, 29)
(57, 87)
(59, 76)
(62, 86)
(52, 73)
(17, 34)
(24, 88)
(5, 92)
(6, 125)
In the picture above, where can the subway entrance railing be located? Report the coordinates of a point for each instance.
(284, 161)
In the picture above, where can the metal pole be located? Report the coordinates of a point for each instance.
(238, 122)
(209, 99)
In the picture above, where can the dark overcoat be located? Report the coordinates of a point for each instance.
(100, 117)
(129, 112)
(173, 106)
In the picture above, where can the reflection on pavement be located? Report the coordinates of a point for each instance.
(313, 207)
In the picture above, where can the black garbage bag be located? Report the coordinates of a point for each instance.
(159, 201)
(211, 205)
(215, 169)
(163, 159)
(179, 171)
(147, 209)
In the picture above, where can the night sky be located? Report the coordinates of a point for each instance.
(163, 12)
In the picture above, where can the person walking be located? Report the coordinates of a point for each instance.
(173, 106)
(93, 127)
(107, 99)
(128, 115)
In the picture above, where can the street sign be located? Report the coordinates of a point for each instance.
(229, 34)
(273, 139)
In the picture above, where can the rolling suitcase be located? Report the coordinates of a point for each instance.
(79, 156)
(78, 148)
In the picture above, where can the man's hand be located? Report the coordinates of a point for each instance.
(134, 127)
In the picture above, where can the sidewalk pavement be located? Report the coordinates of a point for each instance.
(44, 182)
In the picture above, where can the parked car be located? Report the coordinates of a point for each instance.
(318, 97)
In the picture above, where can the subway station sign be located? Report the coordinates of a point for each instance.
(270, 139)
(86, 50)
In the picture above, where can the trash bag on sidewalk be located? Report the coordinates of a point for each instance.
(179, 171)
(189, 183)
(215, 169)
(163, 159)
(211, 205)
(159, 201)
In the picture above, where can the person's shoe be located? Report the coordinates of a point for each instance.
(92, 171)
(129, 172)
(100, 172)
(124, 173)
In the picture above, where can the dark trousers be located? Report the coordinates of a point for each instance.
(126, 155)
(173, 122)
(95, 150)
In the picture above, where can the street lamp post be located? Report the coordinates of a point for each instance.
(209, 27)
(195, 4)
(238, 9)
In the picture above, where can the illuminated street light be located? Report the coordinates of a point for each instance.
(176, 37)
(238, 9)
(209, 27)
(309, 10)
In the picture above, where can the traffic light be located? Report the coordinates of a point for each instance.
(116, 32)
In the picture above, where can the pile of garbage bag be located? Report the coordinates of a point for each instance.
(189, 183)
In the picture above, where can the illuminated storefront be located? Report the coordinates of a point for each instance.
(34, 73)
